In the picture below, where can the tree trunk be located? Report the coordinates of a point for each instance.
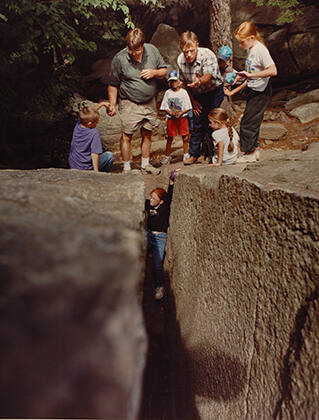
(220, 24)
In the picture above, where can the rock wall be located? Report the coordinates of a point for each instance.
(243, 262)
(72, 335)
(292, 46)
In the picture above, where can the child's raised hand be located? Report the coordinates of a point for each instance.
(111, 110)
(173, 174)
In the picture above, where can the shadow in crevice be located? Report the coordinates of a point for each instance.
(203, 371)
(292, 356)
(182, 396)
(176, 376)
(155, 397)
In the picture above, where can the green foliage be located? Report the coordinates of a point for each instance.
(39, 43)
(289, 9)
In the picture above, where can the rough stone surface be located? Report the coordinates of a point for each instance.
(242, 260)
(302, 99)
(166, 39)
(272, 131)
(306, 113)
(72, 333)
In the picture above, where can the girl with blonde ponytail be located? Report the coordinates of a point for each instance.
(260, 67)
(225, 138)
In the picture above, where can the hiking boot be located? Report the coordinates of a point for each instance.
(165, 160)
(190, 160)
(159, 292)
(149, 169)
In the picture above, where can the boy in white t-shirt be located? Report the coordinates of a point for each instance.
(176, 104)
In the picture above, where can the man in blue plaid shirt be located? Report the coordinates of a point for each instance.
(199, 72)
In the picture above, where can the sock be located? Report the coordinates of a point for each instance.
(145, 162)
(127, 165)
(186, 155)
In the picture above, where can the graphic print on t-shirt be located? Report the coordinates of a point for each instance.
(175, 104)
(249, 61)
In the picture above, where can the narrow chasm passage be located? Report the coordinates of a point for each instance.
(155, 391)
(155, 401)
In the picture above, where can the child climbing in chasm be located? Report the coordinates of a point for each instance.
(157, 210)
(225, 138)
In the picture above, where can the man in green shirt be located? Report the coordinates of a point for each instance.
(132, 80)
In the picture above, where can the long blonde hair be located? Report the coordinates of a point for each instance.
(247, 29)
(219, 115)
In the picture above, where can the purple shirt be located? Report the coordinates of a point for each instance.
(84, 142)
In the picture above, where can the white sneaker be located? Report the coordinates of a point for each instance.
(186, 156)
(159, 293)
(248, 158)
(149, 169)
(165, 160)
(257, 151)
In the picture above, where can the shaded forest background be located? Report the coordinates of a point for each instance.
(47, 50)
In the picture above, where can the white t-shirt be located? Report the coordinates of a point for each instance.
(258, 59)
(176, 101)
(222, 135)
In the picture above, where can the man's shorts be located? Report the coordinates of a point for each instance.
(177, 125)
(134, 115)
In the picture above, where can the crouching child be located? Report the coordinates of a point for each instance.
(86, 151)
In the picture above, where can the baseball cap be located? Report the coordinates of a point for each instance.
(225, 52)
(172, 75)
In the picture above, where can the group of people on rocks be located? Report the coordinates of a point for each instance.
(198, 87)
(196, 105)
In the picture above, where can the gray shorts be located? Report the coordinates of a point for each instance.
(134, 115)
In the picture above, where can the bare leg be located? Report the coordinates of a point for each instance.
(185, 143)
(168, 146)
(146, 142)
(126, 146)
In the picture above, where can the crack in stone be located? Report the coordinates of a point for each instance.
(293, 353)
(251, 358)
(293, 58)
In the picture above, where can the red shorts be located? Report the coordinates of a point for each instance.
(177, 125)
